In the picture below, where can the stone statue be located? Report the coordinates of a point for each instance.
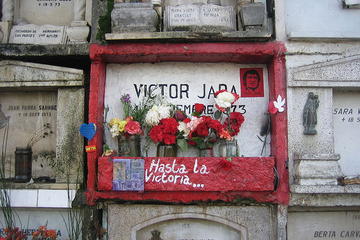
(155, 235)
(310, 115)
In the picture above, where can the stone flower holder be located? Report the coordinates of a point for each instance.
(252, 15)
(134, 17)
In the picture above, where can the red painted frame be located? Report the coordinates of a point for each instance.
(272, 54)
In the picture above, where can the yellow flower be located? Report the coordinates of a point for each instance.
(122, 125)
(114, 121)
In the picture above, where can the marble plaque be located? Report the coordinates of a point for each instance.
(346, 116)
(43, 12)
(30, 122)
(185, 84)
(33, 34)
(324, 225)
(200, 17)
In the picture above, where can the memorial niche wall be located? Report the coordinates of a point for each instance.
(121, 55)
(40, 106)
(336, 83)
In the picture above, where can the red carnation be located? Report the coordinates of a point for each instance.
(169, 125)
(169, 139)
(236, 118)
(199, 108)
(202, 130)
(215, 124)
(187, 120)
(156, 134)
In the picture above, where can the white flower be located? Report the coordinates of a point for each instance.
(224, 99)
(183, 128)
(152, 117)
(164, 111)
(114, 131)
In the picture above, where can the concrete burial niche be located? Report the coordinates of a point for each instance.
(144, 222)
(41, 111)
(333, 147)
(45, 22)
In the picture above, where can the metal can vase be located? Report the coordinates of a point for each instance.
(129, 146)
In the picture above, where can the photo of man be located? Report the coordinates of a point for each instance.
(252, 83)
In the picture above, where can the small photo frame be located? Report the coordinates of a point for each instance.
(252, 82)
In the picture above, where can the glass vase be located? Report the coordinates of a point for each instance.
(23, 164)
(129, 146)
(206, 152)
(166, 150)
(229, 148)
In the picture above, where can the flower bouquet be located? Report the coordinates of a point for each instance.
(165, 129)
(202, 132)
(128, 130)
(231, 124)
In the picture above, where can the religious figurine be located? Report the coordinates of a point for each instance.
(155, 235)
(310, 115)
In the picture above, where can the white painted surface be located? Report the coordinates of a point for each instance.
(41, 198)
(23, 198)
(346, 117)
(120, 79)
(55, 12)
(321, 19)
(55, 198)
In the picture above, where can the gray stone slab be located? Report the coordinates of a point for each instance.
(135, 222)
(69, 143)
(343, 72)
(349, 189)
(134, 17)
(207, 17)
(324, 225)
(34, 34)
(56, 50)
(187, 35)
(24, 74)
